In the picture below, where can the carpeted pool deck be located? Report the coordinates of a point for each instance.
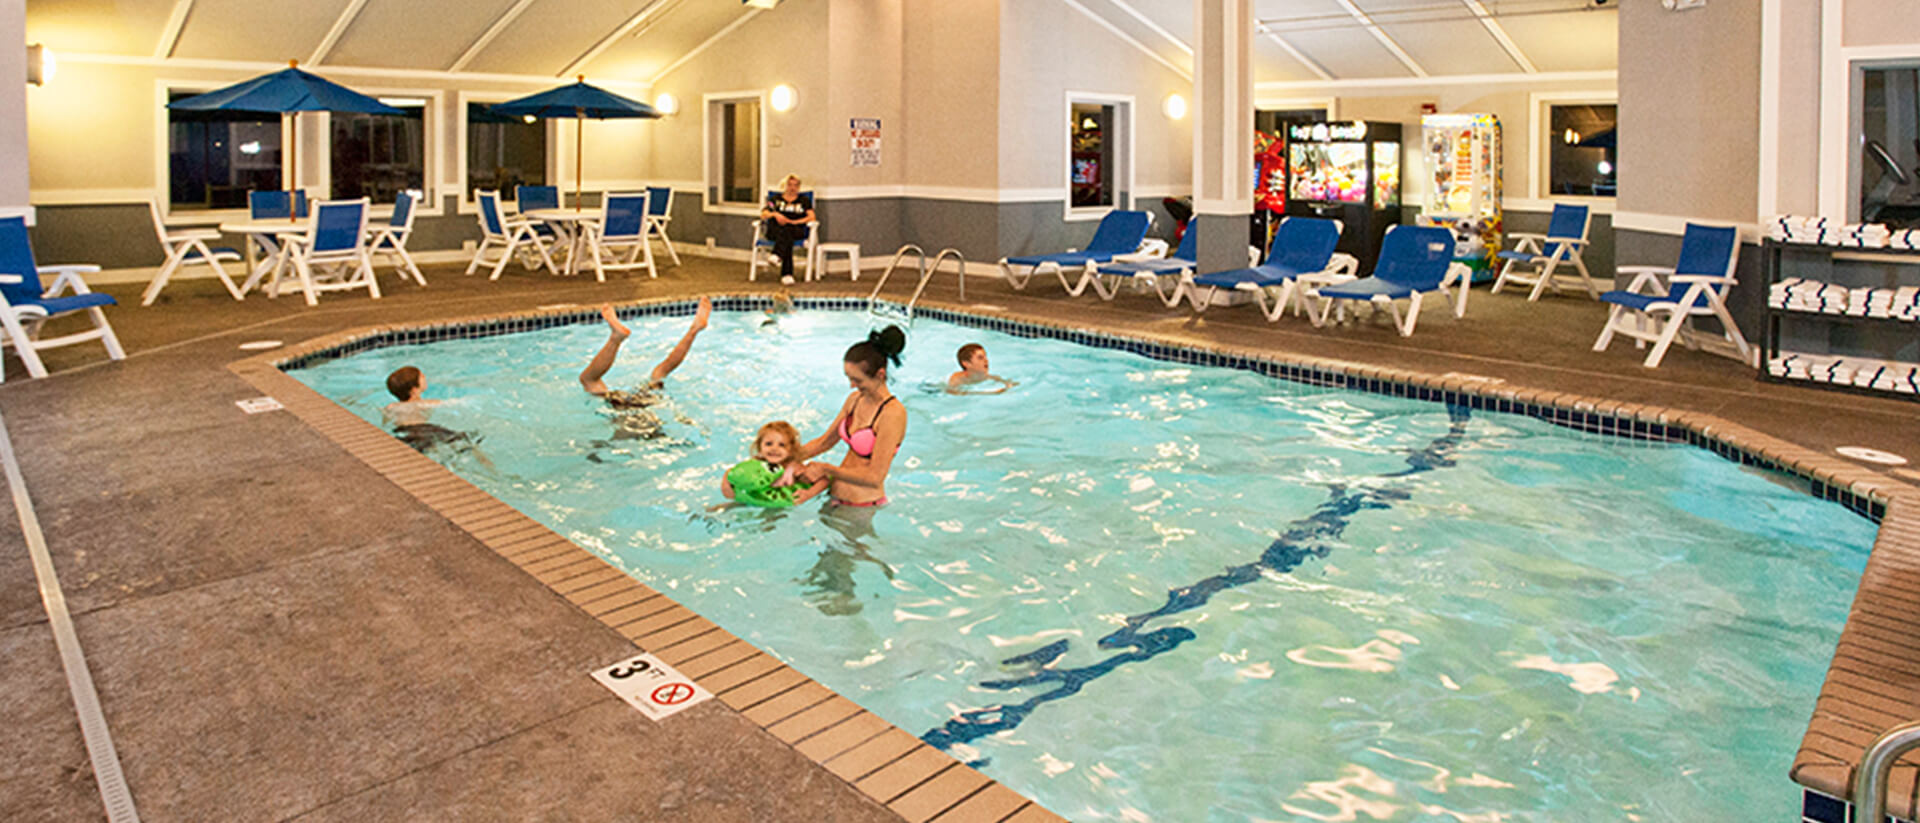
(278, 633)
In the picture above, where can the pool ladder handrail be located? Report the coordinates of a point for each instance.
(1870, 779)
(927, 270)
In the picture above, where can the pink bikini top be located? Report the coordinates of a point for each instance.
(861, 442)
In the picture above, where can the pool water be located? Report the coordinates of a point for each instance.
(1135, 590)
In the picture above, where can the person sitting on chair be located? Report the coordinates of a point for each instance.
(785, 221)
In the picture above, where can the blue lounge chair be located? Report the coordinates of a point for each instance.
(1535, 258)
(659, 214)
(1650, 311)
(390, 240)
(185, 247)
(333, 254)
(621, 229)
(1176, 266)
(1413, 260)
(761, 252)
(24, 305)
(1120, 234)
(512, 236)
(1301, 246)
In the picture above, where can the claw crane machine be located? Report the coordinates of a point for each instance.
(1347, 171)
(1462, 153)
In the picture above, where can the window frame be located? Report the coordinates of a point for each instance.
(1123, 117)
(709, 141)
(433, 149)
(1540, 155)
(466, 203)
(162, 192)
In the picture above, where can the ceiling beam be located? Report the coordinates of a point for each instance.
(1311, 64)
(1380, 35)
(339, 28)
(170, 34)
(737, 23)
(1118, 32)
(614, 37)
(499, 25)
(1499, 33)
(1157, 29)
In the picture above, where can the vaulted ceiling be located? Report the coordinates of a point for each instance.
(1296, 40)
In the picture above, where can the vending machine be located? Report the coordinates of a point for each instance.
(1462, 153)
(1347, 171)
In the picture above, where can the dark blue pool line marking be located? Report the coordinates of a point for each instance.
(1310, 536)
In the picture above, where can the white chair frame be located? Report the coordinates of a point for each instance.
(22, 324)
(514, 232)
(352, 267)
(394, 249)
(639, 252)
(186, 246)
(758, 256)
(1543, 271)
(657, 224)
(1640, 324)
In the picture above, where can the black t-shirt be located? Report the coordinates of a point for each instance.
(793, 211)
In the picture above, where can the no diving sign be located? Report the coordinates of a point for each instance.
(651, 686)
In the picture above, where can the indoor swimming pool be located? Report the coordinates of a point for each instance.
(1135, 589)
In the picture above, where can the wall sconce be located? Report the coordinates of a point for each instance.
(40, 65)
(1175, 107)
(666, 104)
(783, 97)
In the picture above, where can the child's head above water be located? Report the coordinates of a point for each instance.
(406, 383)
(778, 442)
(968, 353)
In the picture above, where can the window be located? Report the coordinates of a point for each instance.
(1889, 147)
(504, 152)
(215, 157)
(380, 155)
(733, 167)
(1098, 166)
(1582, 151)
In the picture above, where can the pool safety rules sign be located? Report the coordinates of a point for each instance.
(651, 686)
(865, 134)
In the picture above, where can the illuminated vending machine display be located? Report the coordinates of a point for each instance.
(1346, 171)
(1462, 153)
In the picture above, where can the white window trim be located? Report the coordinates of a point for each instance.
(320, 128)
(467, 204)
(706, 150)
(1327, 105)
(1540, 153)
(1069, 213)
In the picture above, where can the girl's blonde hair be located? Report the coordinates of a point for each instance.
(791, 178)
(784, 429)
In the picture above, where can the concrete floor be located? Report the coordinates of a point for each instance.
(279, 633)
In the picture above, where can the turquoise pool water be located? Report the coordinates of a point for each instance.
(1136, 590)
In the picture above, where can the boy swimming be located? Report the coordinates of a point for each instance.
(973, 371)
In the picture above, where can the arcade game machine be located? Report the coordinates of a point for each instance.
(1269, 187)
(1463, 193)
(1347, 171)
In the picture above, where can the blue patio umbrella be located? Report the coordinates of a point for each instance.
(578, 101)
(288, 92)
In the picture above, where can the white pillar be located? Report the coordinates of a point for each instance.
(1223, 130)
(13, 109)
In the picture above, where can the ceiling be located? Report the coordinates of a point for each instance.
(1296, 40)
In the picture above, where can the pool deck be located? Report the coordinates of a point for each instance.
(279, 632)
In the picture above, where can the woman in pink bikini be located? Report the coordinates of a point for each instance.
(872, 423)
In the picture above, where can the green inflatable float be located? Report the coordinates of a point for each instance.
(753, 481)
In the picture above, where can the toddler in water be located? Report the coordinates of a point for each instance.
(772, 478)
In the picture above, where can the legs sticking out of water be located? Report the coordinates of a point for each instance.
(591, 378)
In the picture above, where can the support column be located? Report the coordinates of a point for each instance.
(1223, 131)
(13, 110)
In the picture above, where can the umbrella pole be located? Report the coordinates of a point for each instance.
(579, 140)
(293, 173)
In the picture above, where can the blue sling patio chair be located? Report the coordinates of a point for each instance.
(25, 305)
(1301, 246)
(659, 214)
(1651, 311)
(333, 255)
(512, 236)
(761, 252)
(390, 240)
(185, 247)
(1120, 234)
(1535, 259)
(1413, 260)
(276, 205)
(621, 230)
(1155, 272)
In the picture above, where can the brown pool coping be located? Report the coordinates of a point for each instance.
(1872, 684)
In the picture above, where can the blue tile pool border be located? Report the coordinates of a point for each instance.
(1581, 415)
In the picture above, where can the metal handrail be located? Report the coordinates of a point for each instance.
(1870, 779)
(881, 284)
(934, 269)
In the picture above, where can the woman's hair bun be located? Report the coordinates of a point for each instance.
(891, 341)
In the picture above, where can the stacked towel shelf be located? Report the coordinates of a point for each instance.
(1839, 315)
